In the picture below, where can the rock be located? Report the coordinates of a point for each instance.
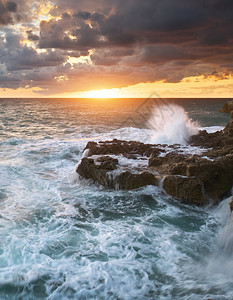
(227, 107)
(218, 139)
(215, 153)
(216, 176)
(96, 171)
(208, 140)
(107, 163)
(99, 171)
(129, 181)
(172, 157)
(125, 148)
(228, 131)
(188, 190)
(231, 205)
(191, 178)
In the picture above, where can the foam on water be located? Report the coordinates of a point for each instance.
(65, 241)
(60, 241)
(212, 275)
(212, 129)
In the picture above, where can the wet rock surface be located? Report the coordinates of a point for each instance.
(197, 179)
(119, 147)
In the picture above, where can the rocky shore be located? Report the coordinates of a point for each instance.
(196, 179)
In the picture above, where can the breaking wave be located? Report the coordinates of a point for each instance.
(171, 125)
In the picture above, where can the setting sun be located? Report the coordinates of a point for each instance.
(104, 93)
(116, 157)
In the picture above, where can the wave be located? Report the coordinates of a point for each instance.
(171, 125)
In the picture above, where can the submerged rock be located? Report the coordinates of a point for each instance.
(193, 178)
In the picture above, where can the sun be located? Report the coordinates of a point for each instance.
(104, 93)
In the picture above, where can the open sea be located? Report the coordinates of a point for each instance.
(61, 239)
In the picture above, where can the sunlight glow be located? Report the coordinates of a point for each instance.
(189, 87)
(196, 86)
(105, 93)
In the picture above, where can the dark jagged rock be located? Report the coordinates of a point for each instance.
(215, 178)
(156, 160)
(118, 147)
(215, 153)
(228, 131)
(98, 171)
(107, 163)
(231, 205)
(171, 163)
(185, 188)
(218, 139)
(208, 140)
(194, 179)
(227, 107)
(129, 181)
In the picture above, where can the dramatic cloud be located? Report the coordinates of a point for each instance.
(32, 36)
(57, 45)
(5, 11)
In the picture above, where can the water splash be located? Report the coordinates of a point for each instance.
(217, 266)
(171, 125)
(225, 237)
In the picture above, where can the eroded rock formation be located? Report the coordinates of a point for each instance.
(196, 179)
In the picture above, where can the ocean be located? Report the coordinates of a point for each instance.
(66, 239)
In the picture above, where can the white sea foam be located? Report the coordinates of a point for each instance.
(64, 242)
(171, 125)
(212, 129)
(225, 236)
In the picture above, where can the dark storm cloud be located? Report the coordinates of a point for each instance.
(161, 54)
(18, 57)
(139, 22)
(129, 40)
(5, 11)
(110, 56)
(31, 36)
(11, 6)
(69, 32)
(13, 12)
(28, 58)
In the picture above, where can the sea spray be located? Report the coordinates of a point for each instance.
(220, 263)
(225, 236)
(75, 176)
(171, 125)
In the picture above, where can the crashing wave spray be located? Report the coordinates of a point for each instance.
(171, 125)
(221, 259)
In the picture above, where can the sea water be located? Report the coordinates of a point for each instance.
(66, 240)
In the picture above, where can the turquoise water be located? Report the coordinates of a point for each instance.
(65, 240)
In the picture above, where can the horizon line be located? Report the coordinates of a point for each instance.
(109, 98)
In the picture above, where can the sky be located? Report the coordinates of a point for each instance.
(116, 48)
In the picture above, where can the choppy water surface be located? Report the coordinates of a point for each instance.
(61, 240)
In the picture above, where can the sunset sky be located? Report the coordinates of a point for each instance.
(116, 48)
